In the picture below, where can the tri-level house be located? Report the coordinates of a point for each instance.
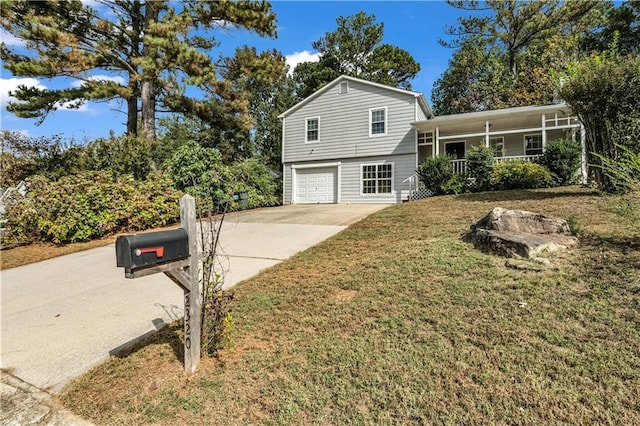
(355, 141)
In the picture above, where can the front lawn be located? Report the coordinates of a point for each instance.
(396, 321)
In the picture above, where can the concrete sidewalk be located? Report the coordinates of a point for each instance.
(63, 316)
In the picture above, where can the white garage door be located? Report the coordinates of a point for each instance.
(316, 186)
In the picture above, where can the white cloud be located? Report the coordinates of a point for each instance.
(295, 58)
(10, 40)
(116, 78)
(11, 84)
(71, 106)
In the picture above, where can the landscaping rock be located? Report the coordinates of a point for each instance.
(519, 233)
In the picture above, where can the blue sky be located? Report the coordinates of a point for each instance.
(414, 26)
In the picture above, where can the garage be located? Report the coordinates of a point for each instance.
(316, 185)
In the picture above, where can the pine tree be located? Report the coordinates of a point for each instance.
(157, 48)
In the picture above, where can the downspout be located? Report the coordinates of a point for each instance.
(437, 145)
(486, 133)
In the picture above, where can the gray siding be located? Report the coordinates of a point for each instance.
(421, 116)
(344, 125)
(350, 180)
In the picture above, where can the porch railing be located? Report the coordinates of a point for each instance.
(460, 165)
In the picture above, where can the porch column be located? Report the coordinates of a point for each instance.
(544, 132)
(486, 133)
(437, 141)
(583, 154)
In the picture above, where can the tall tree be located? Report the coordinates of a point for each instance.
(355, 48)
(157, 48)
(475, 80)
(622, 26)
(514, 25)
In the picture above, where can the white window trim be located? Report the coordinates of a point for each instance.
(377, 194)
(346, 83)
(524, 143)
(306, 129)
(386, 122)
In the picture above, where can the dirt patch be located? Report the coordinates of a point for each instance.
(343, 296)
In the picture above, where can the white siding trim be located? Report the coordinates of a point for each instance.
(386, 122)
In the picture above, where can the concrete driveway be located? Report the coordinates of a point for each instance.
(62, 316)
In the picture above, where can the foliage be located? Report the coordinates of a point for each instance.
(510, 53)
(216, 304)
(200, 172)
(475, 80)
(623, 172)
(514, 26)
(24, 156)
(519, 175)
(153, 51)
(622, 26)
(562, 158)
(604, 91)
(261, 184)
(263, 80)
(128, 154)
(355, 48)
(88, 205)
(436, 173)
(479, 166)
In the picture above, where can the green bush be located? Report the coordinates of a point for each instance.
(519, 175)
(88, 205)
(435, 173)
(199, 171)
(562, 158)
(262, 185)
(479, 166)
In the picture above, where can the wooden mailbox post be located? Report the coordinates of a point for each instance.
(178, 258)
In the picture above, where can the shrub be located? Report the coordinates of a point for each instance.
(479, 166)
(88, 205)
(199, 171)
(562, 158)
(435, 173)
(519, 175)
(256, 179)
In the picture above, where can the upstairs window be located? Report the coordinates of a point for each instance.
(532, 144)
(313, 129)
(344, 87)
(378, 122)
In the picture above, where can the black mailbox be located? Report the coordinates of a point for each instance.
(141, 251)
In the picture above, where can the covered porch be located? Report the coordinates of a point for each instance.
(520, 133)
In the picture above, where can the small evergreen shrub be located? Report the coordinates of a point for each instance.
(435, 173)
(562, 158)
(519, 175)
(479, 166)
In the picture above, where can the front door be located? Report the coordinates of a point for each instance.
(455, 149)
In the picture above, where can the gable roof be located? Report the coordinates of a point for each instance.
(421, 99)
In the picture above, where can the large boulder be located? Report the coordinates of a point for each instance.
(519, 233)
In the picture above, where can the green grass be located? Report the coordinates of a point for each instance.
(396, 321)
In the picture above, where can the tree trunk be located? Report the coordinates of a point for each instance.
(147, 86)
(132, 115)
